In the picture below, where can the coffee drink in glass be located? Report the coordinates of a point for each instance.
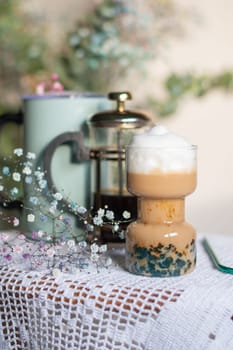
(161, 172)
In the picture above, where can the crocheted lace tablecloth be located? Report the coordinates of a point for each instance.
(113, 309)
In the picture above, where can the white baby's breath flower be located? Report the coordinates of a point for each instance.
(42, 184)
(58, 196)
(53, 207)
(52, 210)
(1, 187)
(94, 257)
(50, 252)
(126, 214)
(98, 221)
(82, 244)
(71, 243)
(108, 262)
(94, 248)
(30, 155)
(121, 234)
(14, 191)
(81, 210)
(34, 200)
(39, 174)
(30, 218)
(18, 152)
(16, 176)
(28, 179)
(115, 227)
(40, 233)
(26, 170)
(103, 248)
(109, 214)
(89, 228)
(100, 212)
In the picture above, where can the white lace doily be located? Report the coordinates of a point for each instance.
(115, 310)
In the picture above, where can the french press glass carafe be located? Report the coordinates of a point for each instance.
(110, 132)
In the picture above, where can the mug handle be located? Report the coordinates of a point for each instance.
(79, 153)
(6, 118)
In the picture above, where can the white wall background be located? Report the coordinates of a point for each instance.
(207, 122)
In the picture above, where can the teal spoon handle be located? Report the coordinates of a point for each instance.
(214, 258)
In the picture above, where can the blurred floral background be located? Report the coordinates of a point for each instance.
(169, 54)
(111, 39)
(97, 51)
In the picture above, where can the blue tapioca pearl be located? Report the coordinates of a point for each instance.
(142, 269)
(157, 273)
(177, 272)
(180, 263)
(164, 273)
(142, 253)
(166, 263)
(162, 256)
(151, 267)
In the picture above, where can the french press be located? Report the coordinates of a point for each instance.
(110, 132)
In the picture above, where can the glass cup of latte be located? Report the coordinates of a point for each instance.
(161, 172)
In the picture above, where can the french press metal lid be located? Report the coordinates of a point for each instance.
(120, 117)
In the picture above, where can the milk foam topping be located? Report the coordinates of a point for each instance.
(160, 149)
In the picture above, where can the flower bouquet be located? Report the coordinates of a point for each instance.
(60, 249)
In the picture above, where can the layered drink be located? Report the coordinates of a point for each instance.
(161, 171)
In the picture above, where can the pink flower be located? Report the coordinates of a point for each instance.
(17, 249)
(26, 256)
(34, 234)
(21, 237)
(15, 222)
(54, 76)
(4, 237)
(56, 86)
(40, 233)
(40, 89)
(8, 257)
(50, 252)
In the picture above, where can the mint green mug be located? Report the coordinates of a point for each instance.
(53, 124)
